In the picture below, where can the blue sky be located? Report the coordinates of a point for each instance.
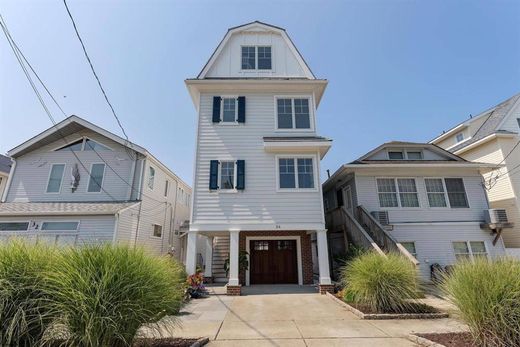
(397, 70)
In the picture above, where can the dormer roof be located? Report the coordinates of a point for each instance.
(260, 28)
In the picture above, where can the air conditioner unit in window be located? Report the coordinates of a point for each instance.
(495, 216)
(381, 217)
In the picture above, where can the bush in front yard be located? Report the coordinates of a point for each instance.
(25, 312)
(488, 297)
(381, 284)
(106, 293)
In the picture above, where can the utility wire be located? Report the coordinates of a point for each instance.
(94, 71)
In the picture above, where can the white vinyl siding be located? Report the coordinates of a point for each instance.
(95, 183)
(55, 178)
(261, 203)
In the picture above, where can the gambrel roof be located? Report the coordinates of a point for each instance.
(252, 27)
(493, 120)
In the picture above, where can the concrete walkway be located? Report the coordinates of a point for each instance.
(297, 319)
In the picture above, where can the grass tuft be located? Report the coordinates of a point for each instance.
(381, 284)
(488, 297)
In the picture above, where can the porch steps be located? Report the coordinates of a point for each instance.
(220, 254)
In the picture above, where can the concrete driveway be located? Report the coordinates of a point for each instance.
(301, 318)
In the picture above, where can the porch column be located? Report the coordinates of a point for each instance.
(323, 261)
(208, 271)
(191, 253)
(233, 257)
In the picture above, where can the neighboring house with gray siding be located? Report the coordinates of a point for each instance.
(493, 136)
(77, 183)
(413, 197)
(5, 168)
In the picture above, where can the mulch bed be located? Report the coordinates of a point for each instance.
(413, 308)
(165, 342)
(450, 339)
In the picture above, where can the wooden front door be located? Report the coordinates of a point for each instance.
(273, 262)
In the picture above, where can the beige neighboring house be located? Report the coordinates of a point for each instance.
(493, 137)
(5, 168)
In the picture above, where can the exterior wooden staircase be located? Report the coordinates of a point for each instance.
(220, 254)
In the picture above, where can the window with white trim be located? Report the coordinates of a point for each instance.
(293, 113)
(410, 247)
(256, 58)
(397, 192)
(395, 155)
(59, 226)
(456, 192)
(229, 110)
(460, 137)
(84, 144)
(436, 192)
(156, 230)
(151, 177)
(55, 178)
(14, 226)
(296, 173)
(414, 155)
(469, 250)
(97, 171)
(227, 175)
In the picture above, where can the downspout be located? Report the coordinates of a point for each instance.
(141, 182)
(116, 226)
(9, 180)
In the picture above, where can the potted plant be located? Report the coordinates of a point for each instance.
(196, 287)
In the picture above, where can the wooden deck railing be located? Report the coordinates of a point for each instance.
(340, 219)
(381, 236)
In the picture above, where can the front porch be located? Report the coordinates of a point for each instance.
(270, 257)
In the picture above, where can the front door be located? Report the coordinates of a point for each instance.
(273, 262)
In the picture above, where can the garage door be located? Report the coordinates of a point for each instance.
(273, 262)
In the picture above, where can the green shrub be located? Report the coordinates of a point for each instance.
(381, 284)
(488, 297)
(25, 311)
(106, 293)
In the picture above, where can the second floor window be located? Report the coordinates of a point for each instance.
(151, 177)
(456, 192)
(97, 171)
(293, 113)
(55, 178)
(229, 110)
(227, 175)
(401, 192)
(296, 173)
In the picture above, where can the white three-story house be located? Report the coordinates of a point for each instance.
(256, 178)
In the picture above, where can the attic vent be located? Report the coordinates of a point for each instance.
(381, 217)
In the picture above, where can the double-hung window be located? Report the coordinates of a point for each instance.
(229, 110)
(293, 113)
(400, 192)
(227, 175)
(97, 172)
(436, 192)
(256, 58)
(55, 178)
(456, 192)
(296, 173)
(469, 250)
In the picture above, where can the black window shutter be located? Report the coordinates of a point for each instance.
(241, 109)
(216, 109)
(241, 174)
(213, 174)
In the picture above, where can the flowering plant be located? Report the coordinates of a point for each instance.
(195, 284)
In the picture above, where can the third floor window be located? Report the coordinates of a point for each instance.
(256, 58)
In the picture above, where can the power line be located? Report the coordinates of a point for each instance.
(94, 71)
(42, 102)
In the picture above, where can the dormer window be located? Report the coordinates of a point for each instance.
(414, 155)
(85, 144)
(460, 137)
(256, 58)
(395, 155)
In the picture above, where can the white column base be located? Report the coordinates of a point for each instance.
(323, 256)
(208, 269)
(191, 253)
(233, 257)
